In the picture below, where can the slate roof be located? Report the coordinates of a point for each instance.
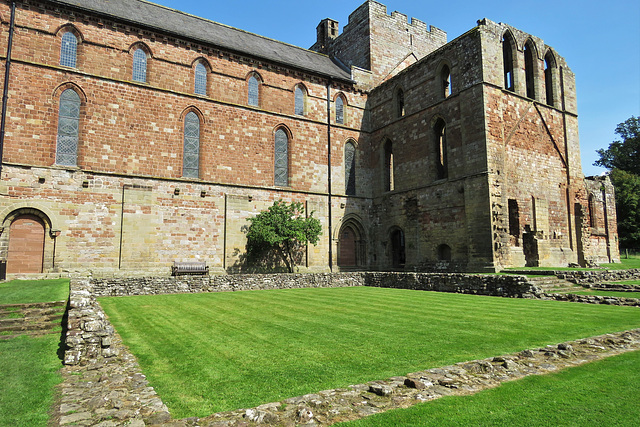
(188, 26)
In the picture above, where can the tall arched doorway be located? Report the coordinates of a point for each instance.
(351, 245)
(26, 245)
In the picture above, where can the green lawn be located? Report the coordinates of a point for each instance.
(28, 374)
(206, 353)
(27, 291)
(625, 264)
(604, 393)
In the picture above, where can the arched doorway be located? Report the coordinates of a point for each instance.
(351, 245)
(398, 257)
(26, 245)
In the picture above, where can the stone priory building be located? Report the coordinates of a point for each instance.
(134, 135)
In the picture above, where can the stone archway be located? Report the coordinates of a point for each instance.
(351, 245)
(26, 244)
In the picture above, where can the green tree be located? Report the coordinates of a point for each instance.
(622, 158)
(625, 154)
(281, 230)
(627, 187)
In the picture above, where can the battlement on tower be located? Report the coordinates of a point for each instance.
(378, 41)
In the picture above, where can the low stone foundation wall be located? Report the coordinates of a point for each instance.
(591, 299)
(618, 287)
(598, 276)
(222, 283)
(476, 284)
(89, 333)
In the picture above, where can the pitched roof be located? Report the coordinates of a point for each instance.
(181, 24)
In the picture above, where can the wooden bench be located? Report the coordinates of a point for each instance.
(193, 267)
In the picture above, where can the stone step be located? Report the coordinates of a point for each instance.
(30, 326)
(552, 284)
(42, 312)
(12, 307)
(32, 319)
(30, 333)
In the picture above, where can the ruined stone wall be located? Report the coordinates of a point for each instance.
(430, 209)
(533, 153)
(600, 235)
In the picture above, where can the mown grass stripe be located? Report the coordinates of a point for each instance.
(599, 393)
(210, 352)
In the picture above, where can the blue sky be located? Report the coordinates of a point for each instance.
(599, 40)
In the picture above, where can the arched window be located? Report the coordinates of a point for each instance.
(350, 168)
(388, 166)
(191, 151)
(507, 61)
(440, 138)
(445, 82)
(400, 102)
(68, 50)
(200, 79)
(300, 97)
(339, 110)
(254, 92)
(529, 69)
(444, 253)
(281, 160)
(549, 78)
(68, 128)
(139, 66)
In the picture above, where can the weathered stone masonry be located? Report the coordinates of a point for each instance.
(462, 155)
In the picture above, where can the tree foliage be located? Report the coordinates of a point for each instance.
(625, 154)
(627, 187)
(282, 230)
(622, 158)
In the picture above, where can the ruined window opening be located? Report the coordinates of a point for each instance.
(593, 219)
(398, 255)
(440, 136)
(339, 110)
(400, 103)
(281, 160)
(350, 168)
(514, 220)
(139, 66)
(529, 69)
(68, 50)
(299, 101)
(68, 128)
(444, 253)
(254, 92)
(388, 167)
(549, 77)
(507, 60)
(445, 79)
(191, 152)
(201, 79)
